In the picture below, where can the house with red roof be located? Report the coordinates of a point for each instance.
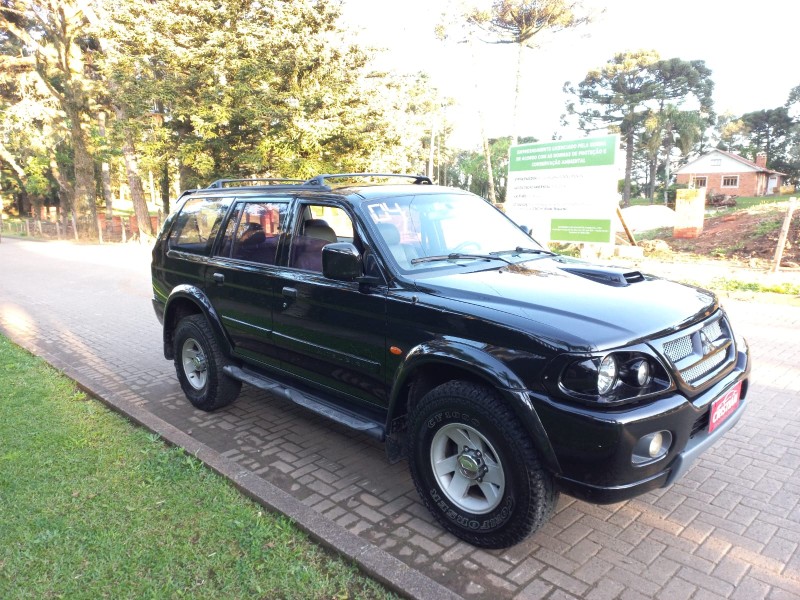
(727, 173)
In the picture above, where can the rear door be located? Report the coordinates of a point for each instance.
(240, 276)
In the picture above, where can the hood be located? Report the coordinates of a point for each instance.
(577, 303)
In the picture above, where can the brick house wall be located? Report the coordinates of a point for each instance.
(726, 173)
(750, 184)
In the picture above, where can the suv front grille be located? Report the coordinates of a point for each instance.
(704, 366)
(678, 349)
(700, 352)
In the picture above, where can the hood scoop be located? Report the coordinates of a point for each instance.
(608, 275)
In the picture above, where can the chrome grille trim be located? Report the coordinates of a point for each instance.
(699, 352)
(704, 366)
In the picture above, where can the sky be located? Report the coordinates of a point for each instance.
(751, 49)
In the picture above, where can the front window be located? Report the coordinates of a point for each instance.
(416, 228)
(730, 181)
(317, 227)
(700, 182)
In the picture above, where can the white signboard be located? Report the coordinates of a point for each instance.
(565, 191)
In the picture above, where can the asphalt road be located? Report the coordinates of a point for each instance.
(729, 529)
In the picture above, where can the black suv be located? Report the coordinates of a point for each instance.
(423, 316)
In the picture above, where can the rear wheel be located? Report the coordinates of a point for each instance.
(476, 469)
(199, 363)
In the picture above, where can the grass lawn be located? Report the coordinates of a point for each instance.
(93, 507)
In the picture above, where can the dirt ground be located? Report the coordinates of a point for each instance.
(745, 236)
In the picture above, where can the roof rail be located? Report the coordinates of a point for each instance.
(321, 180)
(221, 183)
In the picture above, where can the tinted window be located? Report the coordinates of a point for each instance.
(319, 226)
(197, 225)
(254, 234)
(413, 227)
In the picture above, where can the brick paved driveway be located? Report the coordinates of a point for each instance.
(729, 529)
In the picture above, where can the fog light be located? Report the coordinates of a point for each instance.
(656, 443)
(651, 447)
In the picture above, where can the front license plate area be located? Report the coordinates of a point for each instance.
(723, 407)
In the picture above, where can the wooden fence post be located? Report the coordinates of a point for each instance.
(787, 221)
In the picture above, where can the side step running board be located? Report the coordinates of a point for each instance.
(313, 403)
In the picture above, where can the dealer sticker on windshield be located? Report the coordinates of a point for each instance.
(723, 407)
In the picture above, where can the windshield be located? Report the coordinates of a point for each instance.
(439, 230)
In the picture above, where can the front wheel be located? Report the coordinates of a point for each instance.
(199, 363)
(476, 469)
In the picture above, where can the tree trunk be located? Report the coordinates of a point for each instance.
(134, 180)
(487, 156)
(626, 190)
(651, 186)
(65, 190)
(137, 190)
(105, 175)
(83, 193)
(515, 114)
(165, 188)
(668, 148)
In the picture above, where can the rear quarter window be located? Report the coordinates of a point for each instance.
(197, 225)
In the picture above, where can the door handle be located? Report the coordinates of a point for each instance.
(218, 278)
(289, 292)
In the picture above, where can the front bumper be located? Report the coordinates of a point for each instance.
(594, 448)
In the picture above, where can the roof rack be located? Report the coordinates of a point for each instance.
(321, 180)
(221, 183)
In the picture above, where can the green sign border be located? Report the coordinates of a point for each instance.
(589, 152)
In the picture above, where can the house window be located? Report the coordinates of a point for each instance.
(715, 162)
(700, 182)
(730, 181)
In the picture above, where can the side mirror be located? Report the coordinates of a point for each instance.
(526, 229)
(341, 261)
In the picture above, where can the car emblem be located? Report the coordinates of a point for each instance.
(706, 343)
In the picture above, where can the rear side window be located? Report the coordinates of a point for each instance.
(254, 233)
(197, 225)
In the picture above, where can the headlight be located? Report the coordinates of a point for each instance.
(615, 377)
(606, 375)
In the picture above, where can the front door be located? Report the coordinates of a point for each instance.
(328, 333)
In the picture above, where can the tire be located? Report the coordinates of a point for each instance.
(199, 362)
(476, 469)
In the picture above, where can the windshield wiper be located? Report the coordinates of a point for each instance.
(521, 250)
(459, 256)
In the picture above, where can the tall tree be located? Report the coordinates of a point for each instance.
(678, 84)
(27, 114)
(523, 23)
(793, 155)
(768, 131)
(55, 31)
(270, 88)
(614, 97)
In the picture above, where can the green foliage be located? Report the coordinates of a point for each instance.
(201, 90)
(273, 89)
(472, 173)
(735, 285)
(101, 509)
